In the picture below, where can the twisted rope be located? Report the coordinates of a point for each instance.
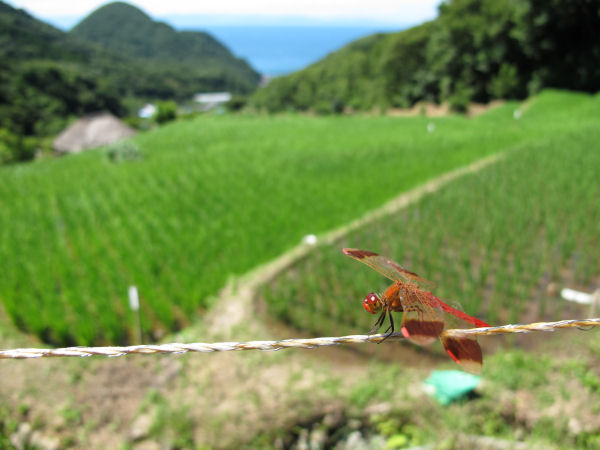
(527, 328)
(177, 348)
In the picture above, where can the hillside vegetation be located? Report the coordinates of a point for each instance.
(194, 61)
(48, 76)
(213, 197)
(476, 50)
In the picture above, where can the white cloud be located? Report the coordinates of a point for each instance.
(402, 11)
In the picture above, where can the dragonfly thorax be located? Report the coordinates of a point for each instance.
(372, 303)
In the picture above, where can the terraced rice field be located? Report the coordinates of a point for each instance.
(501, 241)
(214, 197)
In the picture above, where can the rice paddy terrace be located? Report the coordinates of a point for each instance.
(213, 197)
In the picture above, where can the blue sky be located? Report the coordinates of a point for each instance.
(186, 13)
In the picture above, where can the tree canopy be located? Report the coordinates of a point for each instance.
(475, 50)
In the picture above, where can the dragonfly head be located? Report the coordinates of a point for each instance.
(372, 303)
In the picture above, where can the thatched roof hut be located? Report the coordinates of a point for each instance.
(93, 130)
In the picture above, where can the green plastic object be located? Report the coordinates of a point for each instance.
(450, 385)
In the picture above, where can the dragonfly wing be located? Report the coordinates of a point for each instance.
(387, 267)
(464, 350)
(423, 318)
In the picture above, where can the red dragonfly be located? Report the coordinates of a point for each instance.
(423, 313)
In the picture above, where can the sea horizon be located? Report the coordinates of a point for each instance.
(275, 50)
(273, 46)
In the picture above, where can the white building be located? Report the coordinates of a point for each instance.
(147, 111)
(211, 100)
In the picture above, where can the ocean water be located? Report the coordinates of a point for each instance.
(278, 50)
(272, 49)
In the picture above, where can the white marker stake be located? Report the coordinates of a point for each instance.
(309, 239)
(134, 304)
(576, 296)
(134, 300)
(582, 298)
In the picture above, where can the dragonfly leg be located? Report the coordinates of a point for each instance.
(379, 322)
(390, 329)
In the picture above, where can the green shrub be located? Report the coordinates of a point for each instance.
(134, 122)
(15, 148)
(123, 151)
(506, 83)
(237, 102)
(461, 97)
(165, 112)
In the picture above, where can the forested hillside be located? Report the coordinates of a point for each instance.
(194, 59)
(47, 75)
(476, 50)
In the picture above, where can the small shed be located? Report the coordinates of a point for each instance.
(92, 130)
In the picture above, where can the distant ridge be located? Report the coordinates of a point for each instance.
(125, 29)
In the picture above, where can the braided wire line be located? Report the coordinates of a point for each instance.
(201, 347)
(178, 348)
(527, 328)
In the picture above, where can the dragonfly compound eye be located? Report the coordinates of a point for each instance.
(372, 303)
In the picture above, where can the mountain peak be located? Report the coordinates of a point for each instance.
(119, 26)
(122, 12)
(125, 29)
(128, 31)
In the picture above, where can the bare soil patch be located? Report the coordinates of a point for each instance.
(429, 109)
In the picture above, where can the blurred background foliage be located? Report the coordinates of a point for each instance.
(476, 50)
(118, 58)
(48, 76)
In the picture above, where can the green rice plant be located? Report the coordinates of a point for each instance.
(492, 240)
(214, 197)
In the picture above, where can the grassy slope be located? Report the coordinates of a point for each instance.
(491, 240)
(214, 197)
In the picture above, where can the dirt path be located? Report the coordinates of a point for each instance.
(429, 109)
